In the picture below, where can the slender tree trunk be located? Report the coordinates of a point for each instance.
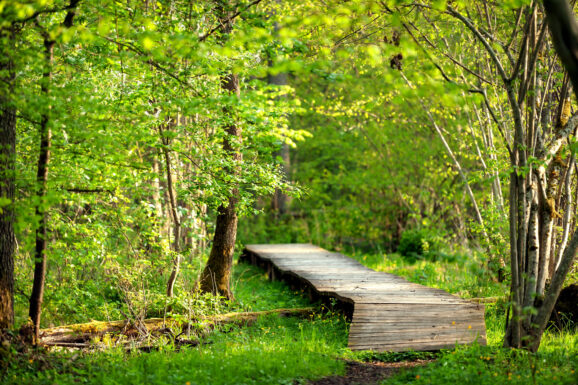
(156, 194)
(456, 162)
(567, 214)
(175, 217)
(216, 275)
(280, 199)
(40, 263)
(7, 178)
(37, 295)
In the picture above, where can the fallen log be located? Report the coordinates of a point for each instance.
(81, 334)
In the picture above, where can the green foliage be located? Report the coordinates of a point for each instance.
(419, 244)
(136, 93)
(253, 292)
(491, 365)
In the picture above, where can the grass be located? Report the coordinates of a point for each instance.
(290, 350)
(274, 350)
(555, 363)
(254, 292)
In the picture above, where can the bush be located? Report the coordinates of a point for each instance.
(419, 244)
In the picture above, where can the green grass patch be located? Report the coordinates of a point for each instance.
(555, 363)
(254, 292)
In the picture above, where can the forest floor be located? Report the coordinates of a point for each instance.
(308, 348)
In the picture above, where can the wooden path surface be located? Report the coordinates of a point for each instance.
(387, 312)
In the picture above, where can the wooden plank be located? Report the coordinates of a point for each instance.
(396, 323)
(309, 263)
(357, 273)
(384, 328)
(308, 256)
(411, 337)
(409, 341)
(378, 328)
(408, 321)
(401, 298)
(385, 289)
(378, 307)
(423, 345)
(451, 316)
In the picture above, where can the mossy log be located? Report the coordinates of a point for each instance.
(85, 332)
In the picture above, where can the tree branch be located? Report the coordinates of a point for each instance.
(149, 61)
(482, 39)
(228, 20)
(70, 6)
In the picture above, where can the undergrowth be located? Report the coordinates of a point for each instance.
(274, 350)
(290, 350)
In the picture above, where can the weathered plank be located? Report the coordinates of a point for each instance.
(388, 313)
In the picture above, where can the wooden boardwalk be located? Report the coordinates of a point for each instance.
(387, 312)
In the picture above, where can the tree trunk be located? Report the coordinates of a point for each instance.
(217, 273)
(532, 251)
(37, 295)
(7, 189)
(280, 199)
(175, 217)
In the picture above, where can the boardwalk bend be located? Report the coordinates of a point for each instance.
(387, 312)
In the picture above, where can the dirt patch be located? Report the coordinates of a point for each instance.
(365, 373)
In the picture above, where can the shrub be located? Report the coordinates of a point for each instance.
(419, 244)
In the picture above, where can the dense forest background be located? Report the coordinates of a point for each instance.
(374, 127)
